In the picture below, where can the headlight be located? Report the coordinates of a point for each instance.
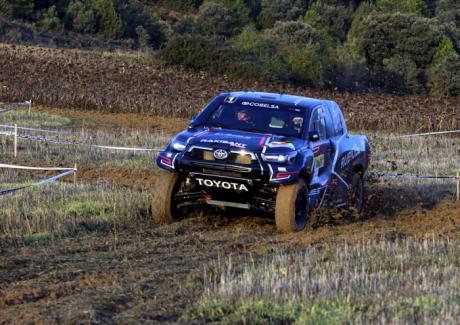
(284, 158)
(178, 146)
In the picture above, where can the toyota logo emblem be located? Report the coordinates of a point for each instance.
(220, 154)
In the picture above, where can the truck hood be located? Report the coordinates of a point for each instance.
(241, 140)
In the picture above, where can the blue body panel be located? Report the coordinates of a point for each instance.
(327, 164)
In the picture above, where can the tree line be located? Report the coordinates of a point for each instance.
(398, 46)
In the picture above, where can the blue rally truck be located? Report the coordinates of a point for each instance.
(279, 153)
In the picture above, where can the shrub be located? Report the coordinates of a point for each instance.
(444, 73)
(280, 10)
(294, 32)
(332, 21)
(134, 15)
(82, 16)
(110, 24)
(417, 7)
(50, 19)
(305, 64)
(6, 9)
(215, 19)
(23, 8)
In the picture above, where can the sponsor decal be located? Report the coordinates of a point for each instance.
(230, 100)
(222, 184)
(280, 144)
(263, 105)
(319, 161)
(348, 158)
(220, 154)
(230, 143)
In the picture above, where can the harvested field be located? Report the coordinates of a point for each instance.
(136, 83)
(90, 253)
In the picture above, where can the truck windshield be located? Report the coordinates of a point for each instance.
(259, 117)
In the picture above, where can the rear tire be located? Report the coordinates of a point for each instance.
(163, 209)
(292, 209)
(356, 194)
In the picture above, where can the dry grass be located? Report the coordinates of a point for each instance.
(407, 281)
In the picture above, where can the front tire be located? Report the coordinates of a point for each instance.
(165, 188)
(292, 208)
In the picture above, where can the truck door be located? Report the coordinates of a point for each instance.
(322, 147)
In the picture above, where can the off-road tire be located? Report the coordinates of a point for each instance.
(163, 209)
(356, 194)
(287, 207)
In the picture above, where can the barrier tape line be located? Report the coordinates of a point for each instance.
(422, 134)
(6, 126)
(67, 142)
(409, 176)
(5, 111)
(43, 182)
(35, 168)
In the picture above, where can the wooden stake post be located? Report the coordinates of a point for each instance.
(458, 186)
(15, 142)
(75, 175)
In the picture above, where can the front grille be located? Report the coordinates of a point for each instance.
(233, 158)
(222, 173)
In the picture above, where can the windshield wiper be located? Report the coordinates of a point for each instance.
(252, 130)
(218, 124)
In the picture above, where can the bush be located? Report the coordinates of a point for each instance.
(305, 64)
(23, 8)
(82, 16)
(332, 21)
(6, 9)
(294, 32)
(50, 19)
(110, 24)
(280, 10)
(215, 19)
(444, 73)
(417, 7)
(135, 15)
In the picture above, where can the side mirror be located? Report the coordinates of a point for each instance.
(191, 124)
(313, 136)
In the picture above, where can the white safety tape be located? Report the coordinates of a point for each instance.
(43, 182)
(422, 134)
(32, 129)
(35, 168)
(66, 142)
(7, 133)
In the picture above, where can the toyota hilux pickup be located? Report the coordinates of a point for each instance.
(283, 154)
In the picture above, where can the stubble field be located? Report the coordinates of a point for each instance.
(89, 253)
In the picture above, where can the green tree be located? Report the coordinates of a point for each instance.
(444, 73)
(50, 19)
(333, 21)
(215, 19)
(6, 9)
(275, 10)
(82, 16)
(110, 24)
(294, 32)
(23, 8)
(418, 7)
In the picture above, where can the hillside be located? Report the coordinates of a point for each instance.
(394, 46)
(134, 83)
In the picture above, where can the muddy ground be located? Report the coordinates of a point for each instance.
(149, 273)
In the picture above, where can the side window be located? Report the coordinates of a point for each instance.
(318, 122)
(337, 119)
